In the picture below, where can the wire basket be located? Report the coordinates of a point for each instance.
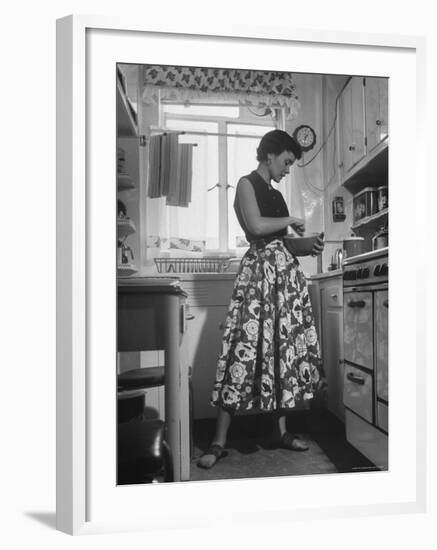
(207, 264)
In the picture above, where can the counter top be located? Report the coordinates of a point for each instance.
(169, 285)
(327, 275)
(380, 252)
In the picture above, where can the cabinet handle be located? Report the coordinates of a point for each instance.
(189, 317)
(355, 379)
(351, 147)
(385, 303)
(356, 303)
(334, 296)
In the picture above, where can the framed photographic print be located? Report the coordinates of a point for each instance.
(225, 269)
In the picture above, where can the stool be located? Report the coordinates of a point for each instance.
(136, 379)
(143, 456)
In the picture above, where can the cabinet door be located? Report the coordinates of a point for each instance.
(332, 351)
(204, 334)
(381, 343)
(376, 102)
(358, 328)
(352, 123)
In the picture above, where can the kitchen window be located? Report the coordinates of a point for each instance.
(224, 152)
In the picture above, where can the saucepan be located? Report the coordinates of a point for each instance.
(353, 246)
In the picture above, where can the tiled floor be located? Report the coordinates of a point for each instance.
(250, 452)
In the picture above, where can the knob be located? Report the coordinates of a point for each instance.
(378, 122)
(359, 273)
(351, 147)
(377, 270)
(365, 273)
(384, 270)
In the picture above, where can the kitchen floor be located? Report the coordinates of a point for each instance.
(250, 452)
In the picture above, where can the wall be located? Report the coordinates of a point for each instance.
(334, 231)
(304, 187)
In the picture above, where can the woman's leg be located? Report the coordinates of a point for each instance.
(287, 440)
(215, 450)
(224, 418)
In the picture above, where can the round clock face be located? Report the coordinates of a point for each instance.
(305, 136)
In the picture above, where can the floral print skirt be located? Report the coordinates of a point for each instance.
(270, 356)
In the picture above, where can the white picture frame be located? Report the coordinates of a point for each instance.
(85, 220)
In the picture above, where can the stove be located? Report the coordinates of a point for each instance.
(366, 269)
(365, 330)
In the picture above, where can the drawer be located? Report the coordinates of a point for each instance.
(382, 416)
(358, 328)
(334, 295)
(358, 391)
(209, 293)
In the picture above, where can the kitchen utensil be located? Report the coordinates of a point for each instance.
(353, 246)
(300, 246)
(364, 203)
(338, 258)
(382, 197)
(380, 239)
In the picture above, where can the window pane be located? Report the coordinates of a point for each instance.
(241, 161)
(200, 221)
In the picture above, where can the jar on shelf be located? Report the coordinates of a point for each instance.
(382, 197)
(364, 203)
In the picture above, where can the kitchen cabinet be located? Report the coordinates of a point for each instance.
(363, 133)
(208, 301)
(331, 311)
(376, 109)
(352, 127)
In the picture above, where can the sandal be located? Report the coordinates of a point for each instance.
(210, 457)
(292, 443)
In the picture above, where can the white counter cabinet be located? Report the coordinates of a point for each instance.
(208, 302)
(327, 298)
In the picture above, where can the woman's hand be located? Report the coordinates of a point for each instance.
(318, 246)
(298, 225)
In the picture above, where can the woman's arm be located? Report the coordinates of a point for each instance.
(259, 225)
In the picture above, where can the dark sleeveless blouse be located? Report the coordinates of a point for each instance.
(271, 204)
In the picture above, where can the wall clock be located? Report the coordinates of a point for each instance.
(305, 136)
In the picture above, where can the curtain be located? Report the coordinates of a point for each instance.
(253, 88)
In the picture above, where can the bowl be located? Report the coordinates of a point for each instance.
(300, 246)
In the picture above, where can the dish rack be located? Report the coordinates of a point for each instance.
(207, 264)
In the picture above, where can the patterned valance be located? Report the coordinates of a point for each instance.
(253, 88)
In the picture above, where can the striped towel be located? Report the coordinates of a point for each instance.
(181, 184)
(154, 188)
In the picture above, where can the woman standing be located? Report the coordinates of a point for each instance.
(270, 356)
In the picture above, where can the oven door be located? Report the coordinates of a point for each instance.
(358, 328)
(381, 359)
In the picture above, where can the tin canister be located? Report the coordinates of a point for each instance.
(382, 193)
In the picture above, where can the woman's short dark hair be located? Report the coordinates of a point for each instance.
(276, 142)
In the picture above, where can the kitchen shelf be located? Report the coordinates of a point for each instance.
(125, 227)
(371, 171)
(125, 270)
(127, 125)
(125, 182)
(372, 222)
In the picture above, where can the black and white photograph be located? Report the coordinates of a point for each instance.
(252, 273)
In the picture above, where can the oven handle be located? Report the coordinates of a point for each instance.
(356, 303)
(356, 379)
